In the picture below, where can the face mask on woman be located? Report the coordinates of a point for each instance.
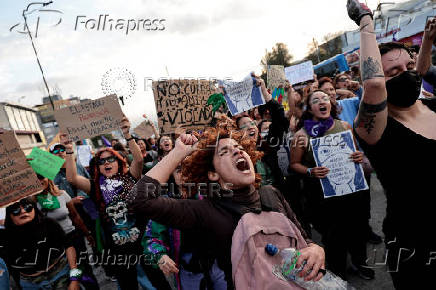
(404, 89)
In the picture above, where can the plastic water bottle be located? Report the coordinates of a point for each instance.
(287, 271)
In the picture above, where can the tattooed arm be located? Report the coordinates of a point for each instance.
(371, 120)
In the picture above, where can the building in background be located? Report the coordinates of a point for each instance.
(46, 114)
(24, 121)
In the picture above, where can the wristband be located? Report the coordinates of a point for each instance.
(75, 274)
(309, 171)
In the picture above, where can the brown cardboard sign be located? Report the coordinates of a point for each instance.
(144, 130)
(183, 104)
(276, 76)
(90, 118)
(17, 178)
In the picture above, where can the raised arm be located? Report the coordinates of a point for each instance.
(75, 179)
(371, 120)
(138, 162)
(183, 147)
(423, 65)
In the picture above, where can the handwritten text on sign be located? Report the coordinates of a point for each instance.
(276, 76)
(182, 103)
(299, 73)
(333, 151)
(91, 118)
(17, 179)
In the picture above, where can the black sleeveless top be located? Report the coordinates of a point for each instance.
(402, 160)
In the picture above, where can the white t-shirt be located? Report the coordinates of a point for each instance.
(61, 214)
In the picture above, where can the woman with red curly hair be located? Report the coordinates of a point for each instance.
(222, 163)
(112, 180)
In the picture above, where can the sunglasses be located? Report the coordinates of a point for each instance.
(341, 80)
(16, 211)
(109, 159)
(56, 151)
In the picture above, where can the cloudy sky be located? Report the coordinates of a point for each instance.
(211, 39)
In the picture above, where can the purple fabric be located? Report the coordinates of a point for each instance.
(110, 188)
(106, 141)
(317, 128)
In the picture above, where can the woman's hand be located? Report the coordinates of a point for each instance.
(186, 144)
(64, 140)
(319, 172)
(78, 199)
(125, 127)
(90, 240)
(356, 157)
(315, 260)
(167, 265)
(74, 285)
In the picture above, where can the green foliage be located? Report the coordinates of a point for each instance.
(279, 55)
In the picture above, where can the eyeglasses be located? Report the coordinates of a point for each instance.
(16, 211)
(315, 101)
(247, 125)
(109, 159)
(341, 80)
(56, 151)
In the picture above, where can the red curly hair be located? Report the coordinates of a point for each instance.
(196, 166)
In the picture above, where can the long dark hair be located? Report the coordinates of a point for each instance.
(9, 224)
(307, 115)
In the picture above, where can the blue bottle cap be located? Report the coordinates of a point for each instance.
(271, 249)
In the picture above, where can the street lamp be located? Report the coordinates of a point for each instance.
(33, 45)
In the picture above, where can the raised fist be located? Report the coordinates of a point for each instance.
(357, 10)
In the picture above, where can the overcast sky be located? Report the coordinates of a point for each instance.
(201, 38)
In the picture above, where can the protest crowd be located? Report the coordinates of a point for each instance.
(202, 206)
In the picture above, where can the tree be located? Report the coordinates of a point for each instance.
(332, 46)
(279, 55)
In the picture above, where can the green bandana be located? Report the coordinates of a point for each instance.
(48, 201)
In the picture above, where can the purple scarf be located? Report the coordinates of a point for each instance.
(318, 128)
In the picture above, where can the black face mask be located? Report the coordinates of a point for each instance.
(404, 89)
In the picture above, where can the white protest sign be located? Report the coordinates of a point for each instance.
(300, 72)
(242, 96)
(333, 151)
(84, 154)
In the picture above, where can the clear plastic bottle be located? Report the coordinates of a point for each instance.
(287, 271)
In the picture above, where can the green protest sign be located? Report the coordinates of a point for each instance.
(45, 163)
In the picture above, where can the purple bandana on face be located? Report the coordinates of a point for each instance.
(317, 128)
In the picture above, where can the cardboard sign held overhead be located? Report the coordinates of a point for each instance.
(299, 73)
(242, 96)
(182, 103)
(17, 178)
(144, 130)
(91, 118)
(276, 76)
(45, 163)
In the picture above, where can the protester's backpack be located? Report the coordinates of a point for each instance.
(251, 265)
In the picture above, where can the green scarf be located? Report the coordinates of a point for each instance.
(48, 201)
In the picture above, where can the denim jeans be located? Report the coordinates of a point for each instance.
(4, 275)
(58, 279)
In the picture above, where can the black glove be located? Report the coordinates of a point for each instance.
(357, 10)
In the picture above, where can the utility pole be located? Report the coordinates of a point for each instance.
(33, 45)
(317, 48)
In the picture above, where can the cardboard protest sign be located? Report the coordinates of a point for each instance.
(90, 118)
(333, 151)
(300, 72)
(45, 163)
(17, 178)
(276, 76)
(144, 130)
(182, 103)
(84, 155)
(242, 96)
